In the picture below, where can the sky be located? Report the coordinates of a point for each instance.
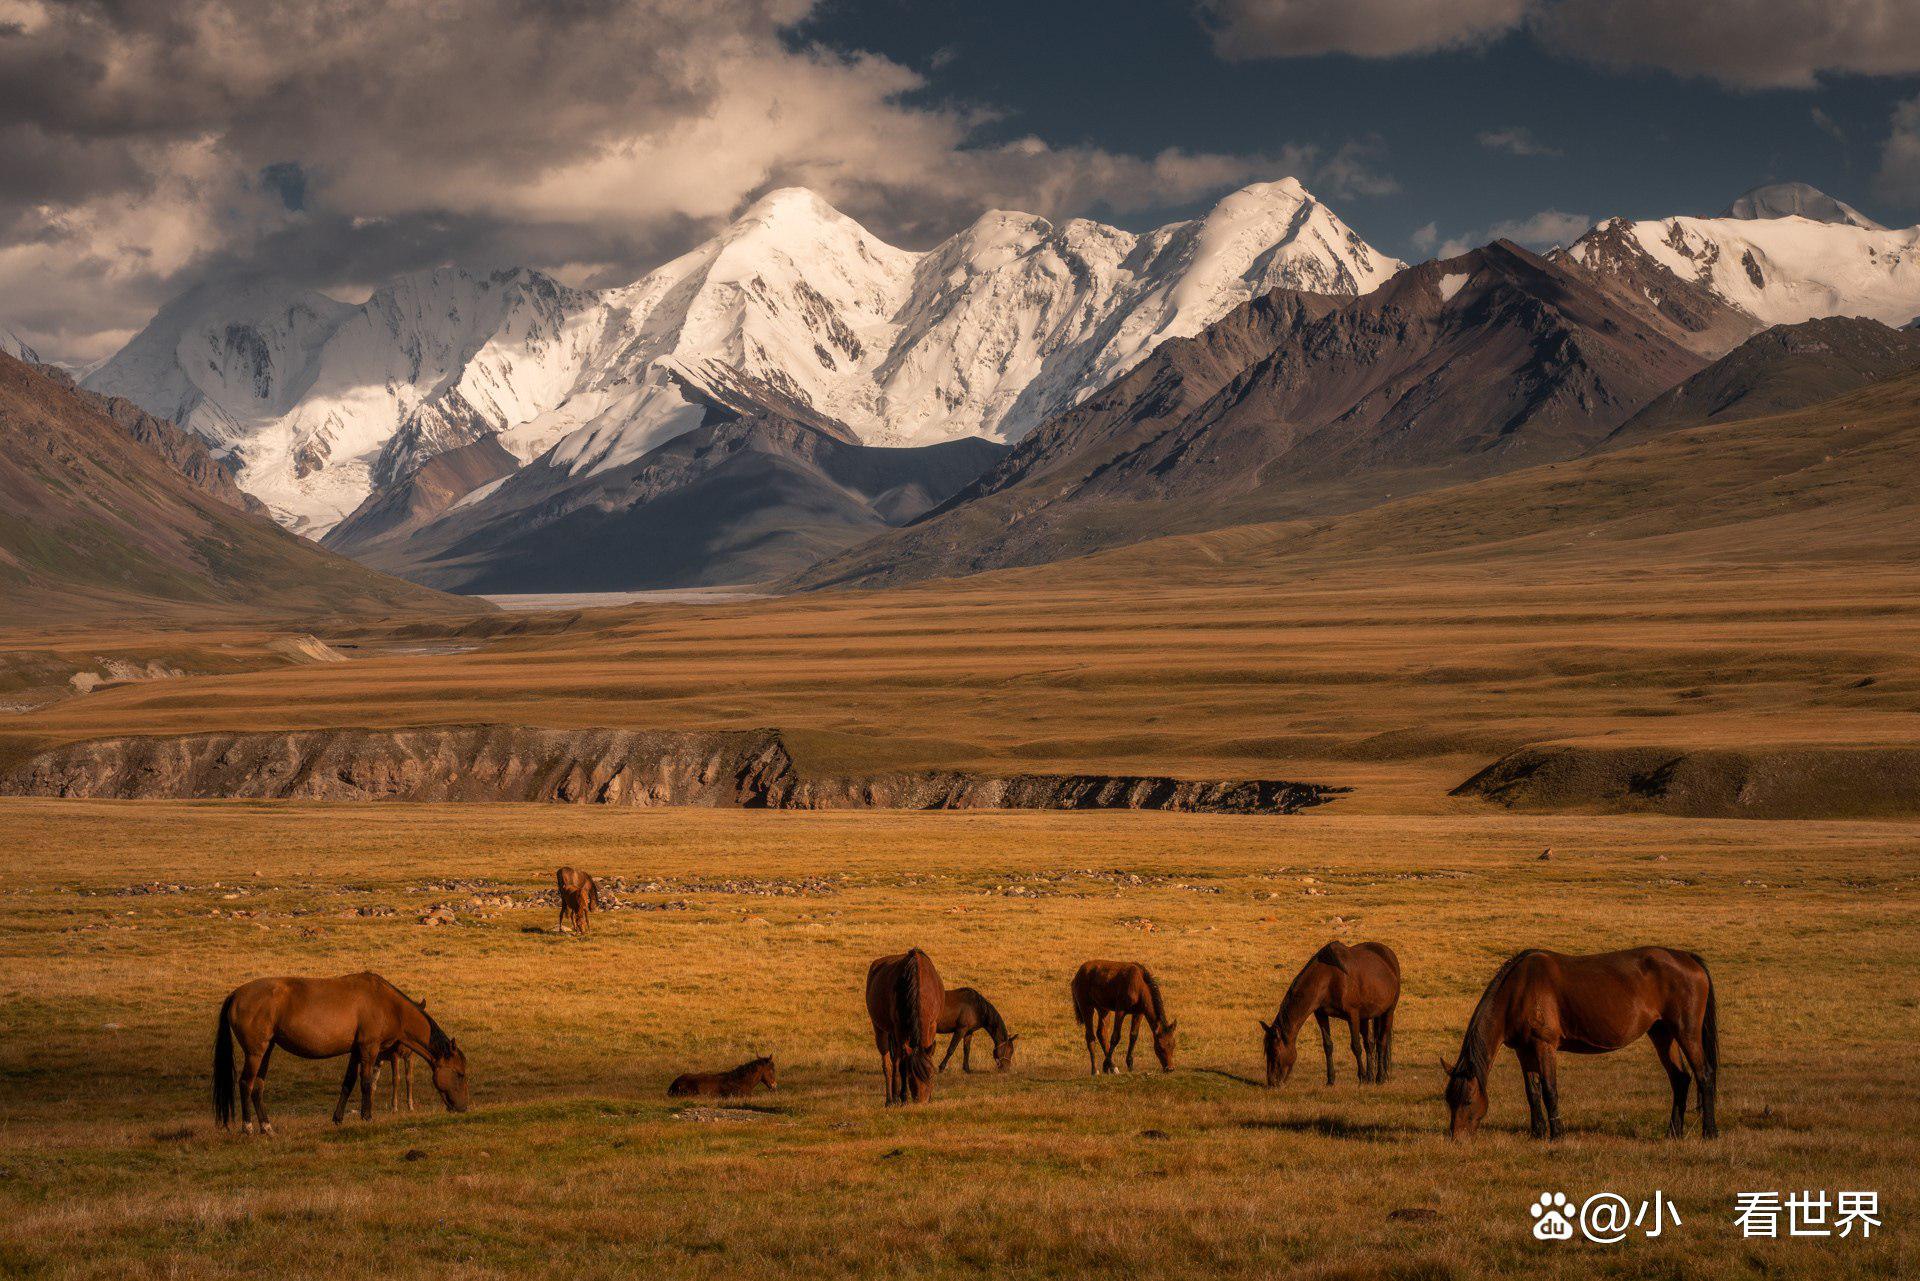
(150, 146)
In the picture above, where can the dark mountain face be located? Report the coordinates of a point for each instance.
(399, 507)
(1451, 371)
(738, 500)
(1784, 368)
(103, 512)
(185, 451)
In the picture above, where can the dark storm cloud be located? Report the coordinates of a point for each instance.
(1747, 43)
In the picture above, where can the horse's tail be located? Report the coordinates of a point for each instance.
(918, 1064)
(1710, 1024)
(1080, 1007)
(223, 1077)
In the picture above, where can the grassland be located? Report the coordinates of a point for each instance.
(574, 1163)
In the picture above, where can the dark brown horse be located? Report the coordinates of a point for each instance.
(359, 1015)
(904, 1000)
(1359, 984)
(1122, 989)
(966, 1012)
(579, 896)
(1541, 1003)
(734, 1084)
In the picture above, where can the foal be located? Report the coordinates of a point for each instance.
(579, 896)
(1122, 989)
(966, 1012)
(734, 1084)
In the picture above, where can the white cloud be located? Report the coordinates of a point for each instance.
(1899, 176)
(1370, 28)
(1539, 232)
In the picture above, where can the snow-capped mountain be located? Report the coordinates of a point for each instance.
(989, 333)
(1770, 259)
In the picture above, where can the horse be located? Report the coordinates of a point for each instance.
(734, 1084)
(579, 896)
(1359, 984)
(1543, 1002)
(1121, 988)
(362, 1016)
(397, 1061)
(904, 1000)
(965, 1012)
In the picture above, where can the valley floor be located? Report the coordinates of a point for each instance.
(123, 925)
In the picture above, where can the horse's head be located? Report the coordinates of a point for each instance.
(1280, 1053)
(450, 1077)
(1163, 1044)
(1466, 1099)
(1003, 1053)
(764, 1073)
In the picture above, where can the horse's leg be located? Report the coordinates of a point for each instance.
(1662, 1037)
(260, 1091)
(1086, 1024)
(1326, 1040)
(966, 1049)
(1370, 1034)
(409, 1082)
(952, 1044)
(1528, 1054)
(1133, 1039)
(249, 1073)
(346, 1086)
(1550, 1088)
(1106, 1045)
(1357, 1039)
(1386, 1045)
(369, 1073)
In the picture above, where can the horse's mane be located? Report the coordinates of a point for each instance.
(747, 1069)
(1476, 1054)
(996, 1026)
(1159, 1006)
(439, 1044)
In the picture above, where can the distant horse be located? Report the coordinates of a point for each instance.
(359, 1015)
(579, 896)
(1543, 1002)
(966, 1012)
(1122, 988)
(904, 1000)
(1359, 984)
(734, 1084)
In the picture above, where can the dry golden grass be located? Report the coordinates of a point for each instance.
(1400, 683)
(574, 1163)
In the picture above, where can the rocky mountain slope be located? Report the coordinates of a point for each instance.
(1781, 369)
(96, 520)
(319, 402)
(1454, 370)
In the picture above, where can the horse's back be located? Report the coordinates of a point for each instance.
(1111, 985)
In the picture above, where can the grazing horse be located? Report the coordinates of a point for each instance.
(1121, 988)
(734, 1084)
(966, 1012)
(1543, 1002)
(579, 897)
(904, 1000)
(1359, 984)
(359, 1015)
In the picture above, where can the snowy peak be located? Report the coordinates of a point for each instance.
(1008, 322)
(1797, 200)
(13, 345)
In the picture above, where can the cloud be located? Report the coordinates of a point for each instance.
(1829, 126)
(1516, 140)
(1245, 29)
(1424, 239)
(1745, 43)
(1899, 176)
(145, 144)
(1539, 232)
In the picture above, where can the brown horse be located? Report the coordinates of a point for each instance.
(1121, 988)
(579, 896)
(904, 1000)
(359, 1015)
(1543, 1002)
(734, 1084)
(1359, 984)
(965, 1012)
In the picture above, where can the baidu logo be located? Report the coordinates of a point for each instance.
(1550, 1217)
